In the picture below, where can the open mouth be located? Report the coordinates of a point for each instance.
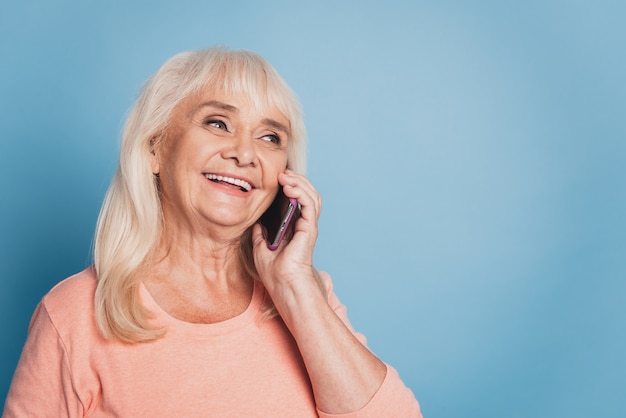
(242, 184)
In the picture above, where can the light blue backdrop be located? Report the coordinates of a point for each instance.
(471, 156)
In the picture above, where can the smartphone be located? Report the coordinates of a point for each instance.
(279, 219)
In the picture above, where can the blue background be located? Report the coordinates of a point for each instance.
(471, 156)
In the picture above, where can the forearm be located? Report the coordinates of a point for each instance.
(344, 374)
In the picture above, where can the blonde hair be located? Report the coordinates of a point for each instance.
(129, 224)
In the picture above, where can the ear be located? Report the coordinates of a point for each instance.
(154, 156)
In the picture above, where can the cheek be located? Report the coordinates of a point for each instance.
(280, 161)
(182, 156)
(274, 162)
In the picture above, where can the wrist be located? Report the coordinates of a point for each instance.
(298, 295)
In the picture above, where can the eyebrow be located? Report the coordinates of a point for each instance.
(276, 125)
(219, 105)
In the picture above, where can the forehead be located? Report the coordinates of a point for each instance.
(238, 103)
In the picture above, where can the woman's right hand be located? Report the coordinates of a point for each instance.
(293, 260)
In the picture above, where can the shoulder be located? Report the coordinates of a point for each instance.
(339, 308)
(325, 281)
(76, 289)
(326, 284)
(71, 301)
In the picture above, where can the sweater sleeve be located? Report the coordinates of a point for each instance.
(42, 384)
(393, 398)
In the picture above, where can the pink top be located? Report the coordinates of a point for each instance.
(243, 367)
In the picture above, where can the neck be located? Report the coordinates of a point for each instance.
(199, 281)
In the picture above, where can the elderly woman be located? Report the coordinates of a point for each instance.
(186, 311)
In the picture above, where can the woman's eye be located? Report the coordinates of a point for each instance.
(216, 124)
(271, 138)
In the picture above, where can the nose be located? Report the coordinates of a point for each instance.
(242, 151)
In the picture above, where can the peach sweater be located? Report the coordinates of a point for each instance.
(243, 367)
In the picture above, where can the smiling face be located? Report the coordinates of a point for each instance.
(219, 162)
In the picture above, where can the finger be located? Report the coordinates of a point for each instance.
(301, 189)
(306, 185)
(309, 210)
(309, 207)
(294, 179)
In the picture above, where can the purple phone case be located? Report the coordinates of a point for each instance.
(291, 209)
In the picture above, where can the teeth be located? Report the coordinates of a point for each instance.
(237, 182)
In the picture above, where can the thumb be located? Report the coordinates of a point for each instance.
(258, 237)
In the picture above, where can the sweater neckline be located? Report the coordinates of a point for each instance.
(162, 318)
